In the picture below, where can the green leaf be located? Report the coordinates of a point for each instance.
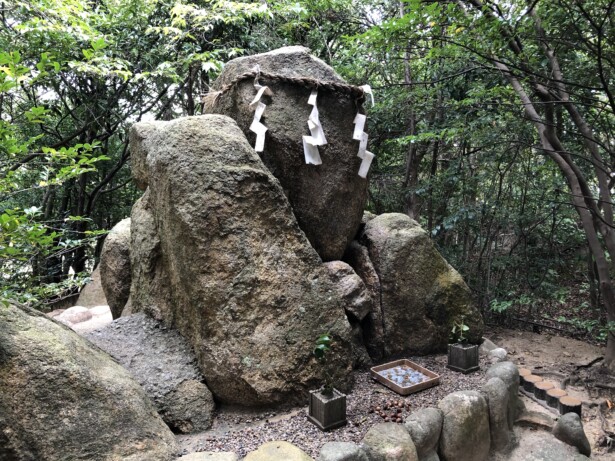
(98, 44)
(319, 351)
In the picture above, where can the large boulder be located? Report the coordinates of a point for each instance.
(328, 199)
(62, 398)
(165, 366)
(115, 267)
(421, 295)
(217, 253)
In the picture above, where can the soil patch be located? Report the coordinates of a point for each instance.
(574, 366)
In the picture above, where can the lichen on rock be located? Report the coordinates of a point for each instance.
(419, 294)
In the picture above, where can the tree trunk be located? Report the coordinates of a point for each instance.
(548, 96)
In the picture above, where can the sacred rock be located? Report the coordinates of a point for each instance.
(419, 295)
(327, 199)
(216, 252)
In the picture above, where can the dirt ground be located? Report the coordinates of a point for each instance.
(568, 363)
(563, 361)
(575, 366)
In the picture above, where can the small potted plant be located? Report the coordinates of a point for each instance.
(327, 407)
(462, 356)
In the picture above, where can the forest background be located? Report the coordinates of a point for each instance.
(493, 127)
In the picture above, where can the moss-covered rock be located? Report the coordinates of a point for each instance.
(61, 398)
(421, 295)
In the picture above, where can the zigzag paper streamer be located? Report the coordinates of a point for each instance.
(361, 136)
(366, 163)
(317, 138)
(310, 150)
(359, 124)
(257, 127)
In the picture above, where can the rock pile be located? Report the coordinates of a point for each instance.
(218, 246)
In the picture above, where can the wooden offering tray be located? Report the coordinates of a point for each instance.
(404, 376)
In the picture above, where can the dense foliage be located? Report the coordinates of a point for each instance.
(492, 126)
(73, 76)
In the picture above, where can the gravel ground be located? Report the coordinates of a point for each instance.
(242, 431)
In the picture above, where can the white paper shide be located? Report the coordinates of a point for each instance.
(257, 127)
(361, 136)
(317, 134)
(317, 138)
